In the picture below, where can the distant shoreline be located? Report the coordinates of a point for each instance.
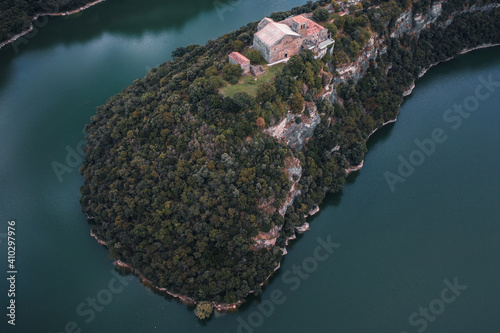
(408, 92)
(34, 18)
(483, 46)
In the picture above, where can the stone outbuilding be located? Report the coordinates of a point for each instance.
(237, 58)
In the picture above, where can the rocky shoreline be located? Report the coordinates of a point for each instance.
(483, 46)
(100, 241)
(223, 307)
(355, 69)
(355, 168)
(34, 18)
(410, 90)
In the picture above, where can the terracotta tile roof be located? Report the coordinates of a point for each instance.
(311, 30)
(300, 19)
(312, 27)
(239, 58)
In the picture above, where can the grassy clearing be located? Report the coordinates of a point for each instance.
(249, 83)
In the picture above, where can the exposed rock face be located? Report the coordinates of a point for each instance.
(406, 23)
(294, 173)
(312, 211)
(100, 241)
(267, 239)
(354, 168)
(294, 132)
(303, 228)
(486, 8)
(410, 23)
(356, 69)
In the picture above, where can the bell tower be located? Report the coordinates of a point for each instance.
(299, 26)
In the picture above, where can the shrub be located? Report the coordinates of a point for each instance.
(321, 14)
(255, 57)
(204, 310)
(231, 72)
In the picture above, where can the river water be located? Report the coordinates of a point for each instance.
(426, 250)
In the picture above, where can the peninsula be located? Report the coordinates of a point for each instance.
(199, 174)
(17, 17)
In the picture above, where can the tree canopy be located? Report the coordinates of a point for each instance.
(179, 179)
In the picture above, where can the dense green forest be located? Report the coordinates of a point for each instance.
(16, 15)
(177, 175)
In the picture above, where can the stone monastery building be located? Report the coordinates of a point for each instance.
(280, 40)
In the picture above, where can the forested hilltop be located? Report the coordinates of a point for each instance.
(16, 15)
(183, 179)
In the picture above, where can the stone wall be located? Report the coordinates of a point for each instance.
(245, 66)
(286, 48)
(262, 48)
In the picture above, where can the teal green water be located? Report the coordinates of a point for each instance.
(396, 248)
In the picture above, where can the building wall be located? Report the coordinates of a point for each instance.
(262, 48)
(320, 36)
(286, 48)
(245, 66)
(323, 35)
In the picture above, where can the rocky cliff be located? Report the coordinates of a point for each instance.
(296, 129)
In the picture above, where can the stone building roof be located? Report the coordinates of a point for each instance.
(273, 32)
(264, 22)
(239, 58)
(300, 19)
